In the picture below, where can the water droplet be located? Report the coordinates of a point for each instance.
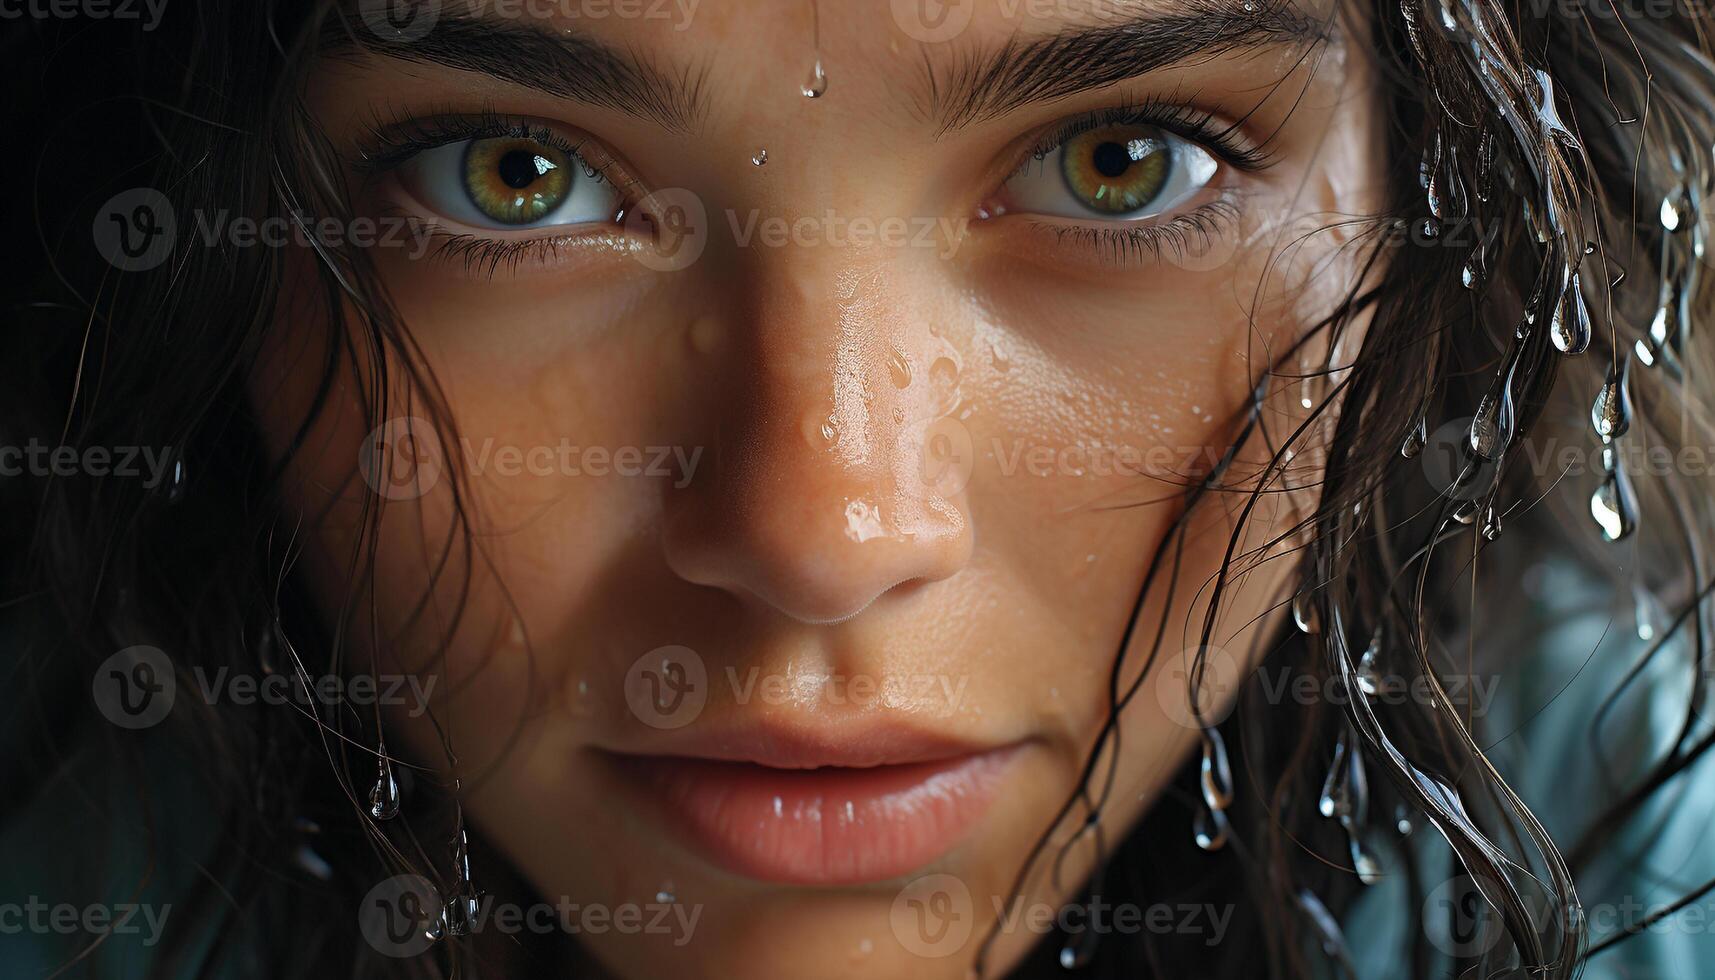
(1611, 414)
(1491, 524)
(1416, 438)
(384, 795)
(1331, 802)
(176, 485)
(1492, 426)
(1469, 274)
(1429, 228)
(1305, 613)
(1368, 869)
(1080, 948)
(1613, 505)
(899, 368)
(1448, 19)
(1249, 6)
(1675, 210)
(1210, 829)
(1402, 820)
(1570, 328)
(664, 894)
(817, 84)
(1368, 671)
(1217, 774)
(760, 158)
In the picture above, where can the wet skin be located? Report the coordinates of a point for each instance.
(864, 509)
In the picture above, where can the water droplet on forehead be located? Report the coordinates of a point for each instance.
(816, 85)
(760, 158)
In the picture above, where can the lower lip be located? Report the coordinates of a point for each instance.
(828, 826)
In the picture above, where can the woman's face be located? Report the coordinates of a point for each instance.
(809, 500)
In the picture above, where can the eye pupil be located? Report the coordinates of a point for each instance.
(519, 168)
(1111, 160)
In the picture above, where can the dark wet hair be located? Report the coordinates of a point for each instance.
(1570, 142)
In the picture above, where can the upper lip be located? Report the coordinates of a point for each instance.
(777, 745)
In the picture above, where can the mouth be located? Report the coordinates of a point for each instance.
(777, 809)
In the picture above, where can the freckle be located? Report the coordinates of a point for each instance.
(704, 334)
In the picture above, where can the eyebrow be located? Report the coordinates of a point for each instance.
(978, 88)
(566, 65)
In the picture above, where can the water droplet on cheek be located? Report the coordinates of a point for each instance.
(760, 159)
(820, 431)
(900, 369)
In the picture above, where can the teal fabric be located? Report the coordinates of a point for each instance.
(1574, 647)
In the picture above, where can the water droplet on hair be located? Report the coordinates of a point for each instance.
(1492, 426)
(1333, 800)
(1209, 828)
(1449, 20)
(1491, 524)
(1402, 820)
(1217, 774)
(1305, 613)
(1676, 210)
(1368, 670)
(1469, 276)
(1611, 414)
(760, 158)
(1429, 228)
(1249, 6)
(384, 795)
(1080, 948)
(1613, 505)
(176, 485)
(1416, 438)
(816, 85)
(1570, 328)
(664, 894)
(1368, 869)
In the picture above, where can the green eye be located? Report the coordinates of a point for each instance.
(1116, 169)
(1117, 172)
(516, 181)
(512, 182)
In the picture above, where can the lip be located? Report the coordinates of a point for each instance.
(806, 807)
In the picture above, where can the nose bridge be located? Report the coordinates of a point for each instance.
(822, 500)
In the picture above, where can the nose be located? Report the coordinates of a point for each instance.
(837, 471)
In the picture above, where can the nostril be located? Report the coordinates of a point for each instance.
(820, 560)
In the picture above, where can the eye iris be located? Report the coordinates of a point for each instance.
(516, 181)
(1116, 169)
